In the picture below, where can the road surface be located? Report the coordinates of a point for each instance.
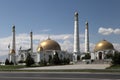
(58, 76)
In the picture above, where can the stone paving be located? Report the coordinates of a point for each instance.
(75, 66)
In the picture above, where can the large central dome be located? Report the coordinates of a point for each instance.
(48, 45)
(103, 45)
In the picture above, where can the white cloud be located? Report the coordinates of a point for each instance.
(116, 46)
(91, 47)
(55, 37)
(117, 31)
(108, 31)
(105, 31)
(24, 41)
(65, 41)
(67, 45)
(45, 30)
(62, 36)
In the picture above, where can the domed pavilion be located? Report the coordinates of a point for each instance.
(103, 48)
(49, 47)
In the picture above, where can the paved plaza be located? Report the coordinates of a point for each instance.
(75, 66)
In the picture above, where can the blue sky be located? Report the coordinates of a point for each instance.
(56, 18)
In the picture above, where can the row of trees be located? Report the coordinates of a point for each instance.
(87, 56)
(51, 61)
(115, 58)
(7, 62)
(29, 61)
(55, 61)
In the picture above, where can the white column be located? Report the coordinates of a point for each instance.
(74, 58)
(9, 56)
(38, 57)
(31, 39)
(13, 40)
(76, 35)
(13, 52)
(86, 38)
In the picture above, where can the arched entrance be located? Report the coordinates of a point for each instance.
(100, 55)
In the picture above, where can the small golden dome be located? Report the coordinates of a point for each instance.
(103, 45)
(12, 51)
(48, 45)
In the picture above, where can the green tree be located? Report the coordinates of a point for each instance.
(11, 63)
(109, 56)
(7, 62)
(87, 56)
(116, 58)
(21, 61)
(78, 57)
(50, 59)
(66, 60)
(43, 63)
(29, 60)
(56, 59)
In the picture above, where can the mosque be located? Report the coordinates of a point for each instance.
(50, 47)
(45, 49)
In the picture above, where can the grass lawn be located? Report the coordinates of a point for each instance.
(114, 67)
(10, 67)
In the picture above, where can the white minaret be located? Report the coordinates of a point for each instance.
(13, 42)
(86, 38)
(76, 35)
(31, 39)
(13, 50)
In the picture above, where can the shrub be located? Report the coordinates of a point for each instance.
(21, 61)
(109, 56)
(29, 60)
(50, 59)
(87, 56)
(56, 59)
(11, 63)
(116, 58)
(43, 63)
(78, 57)
(7, 62)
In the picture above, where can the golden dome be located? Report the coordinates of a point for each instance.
(12, 51)
(48, 45)
(103, 45)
